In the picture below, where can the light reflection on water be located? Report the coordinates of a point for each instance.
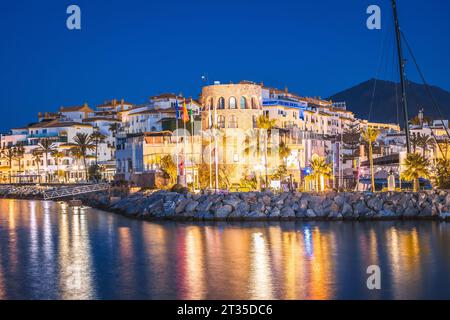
(50, 251)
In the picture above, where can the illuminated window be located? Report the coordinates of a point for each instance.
(243, 103)
(221, 121)
(233, 103)
(254, 103)
(232, 122)
(221, 103)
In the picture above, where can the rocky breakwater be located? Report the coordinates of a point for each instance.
(279, 206)
(21, 192)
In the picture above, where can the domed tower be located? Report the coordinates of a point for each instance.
(231, 106)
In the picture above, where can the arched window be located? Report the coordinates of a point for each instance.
(254, 103)
(243, 103)
(221, 121)
(221, 103)
(232, 121)
(232, 103)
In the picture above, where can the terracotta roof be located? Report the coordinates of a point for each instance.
(57, 124)
(158, 133)
(100, 119)
(113, 103)
(154, 111)
(166, 95)
(74, 108)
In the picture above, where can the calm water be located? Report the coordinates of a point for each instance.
(48, 252)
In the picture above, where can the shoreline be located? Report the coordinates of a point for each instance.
(267, 206)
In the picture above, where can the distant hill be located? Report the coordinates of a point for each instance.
(358, 99)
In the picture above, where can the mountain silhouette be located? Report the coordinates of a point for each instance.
(386, 107)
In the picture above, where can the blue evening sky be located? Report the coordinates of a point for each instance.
(138, 48)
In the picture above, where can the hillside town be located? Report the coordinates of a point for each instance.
(236, 136)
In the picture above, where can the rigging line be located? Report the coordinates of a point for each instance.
(427, 87)
(394, 80)
(380, 58)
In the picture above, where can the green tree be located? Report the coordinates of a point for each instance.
(20, 152)
(77, 156)
(83, 144)
(415, 140)
(114, 128)
(57, 155)
(442, 176)
(370, 135)
(265, 124)
(426, 142)
(37, 158)
(46, 147)
(97, 137)
(9, 154)
(320, 170)
(169, 168)
(416, 166)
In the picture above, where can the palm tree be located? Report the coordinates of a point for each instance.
(415, 139)
(76, 154)
(370, 135)
(9, 154)
(320, 170)
(415, 167)
(168, 168)
(425, 142)
(46, 146)
(265, 124)
(20, 152)
(283, 152)
(57, 155)
(114, 128)
(37, 157)
(84, 144)
(97, 137)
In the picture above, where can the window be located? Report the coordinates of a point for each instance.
(221, 121)
(243, 103)
(232, 121)
(254, 103)
(233, 103)
(221, 103)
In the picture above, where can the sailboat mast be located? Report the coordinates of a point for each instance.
(401, 64)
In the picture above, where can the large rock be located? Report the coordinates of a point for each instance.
(233, 201)
(222, 212)
(156, 209)
(169, 208)
(274, 212)
(255, 215)
(182, 206)
(375, 204)
(191, 206)
(258, 206)
(204, 206)
(240, 211)
(310, 213)
(287, 212)
(347, 210)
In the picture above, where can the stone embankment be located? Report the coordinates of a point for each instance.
(277, 206)
(21, 192)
